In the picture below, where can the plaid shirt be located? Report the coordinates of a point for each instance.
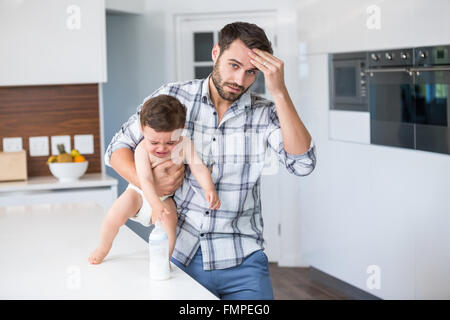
(238, 151)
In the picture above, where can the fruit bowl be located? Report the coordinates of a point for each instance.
(68, 171)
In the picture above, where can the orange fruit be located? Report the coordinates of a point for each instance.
(79, 159)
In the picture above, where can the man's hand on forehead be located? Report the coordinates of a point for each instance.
(273, 69)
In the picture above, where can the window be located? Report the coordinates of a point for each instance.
(203, 43)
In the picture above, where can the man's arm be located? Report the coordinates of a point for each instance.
(167, 176)
(122, 161)
(296, 138)
(298, 164)
(288, 135)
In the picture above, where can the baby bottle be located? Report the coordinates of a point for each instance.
(158, 244)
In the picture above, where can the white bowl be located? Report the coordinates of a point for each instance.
(68, 171)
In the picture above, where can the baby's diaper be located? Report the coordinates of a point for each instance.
(144, 215)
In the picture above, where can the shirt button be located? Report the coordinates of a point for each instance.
(202, 234)
(214, 113)
(214, 139)
(206, 212)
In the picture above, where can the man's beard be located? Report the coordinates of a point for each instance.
(217, 81)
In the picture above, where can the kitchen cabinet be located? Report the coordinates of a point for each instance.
(386, 209)
(431, 25)
(351, 126)
(432, 260)
(52, 42)
(331, 26)
(432, 239)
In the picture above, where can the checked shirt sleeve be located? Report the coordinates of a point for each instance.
(300, 164)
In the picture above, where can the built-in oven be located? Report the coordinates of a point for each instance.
(391, 100)
(405, 91)
(431, 74)
(409, 103)
(348, 83)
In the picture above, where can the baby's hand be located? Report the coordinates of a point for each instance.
(159, 212)
(213, 199)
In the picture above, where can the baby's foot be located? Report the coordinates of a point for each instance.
(98, 255)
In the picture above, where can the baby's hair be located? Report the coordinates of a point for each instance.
(163, 113)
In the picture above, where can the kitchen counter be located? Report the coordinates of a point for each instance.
(47, 189)
(51, 183)
(44, 250)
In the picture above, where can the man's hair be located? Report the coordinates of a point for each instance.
(163, 113)
(250, 34)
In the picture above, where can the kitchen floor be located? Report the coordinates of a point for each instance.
(291, 283)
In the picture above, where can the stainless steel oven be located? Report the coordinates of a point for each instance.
(348, 81)
(391, 101)
(432, 80)
(409, 102)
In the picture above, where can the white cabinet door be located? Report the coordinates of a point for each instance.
(432, 260)
(356, 25)
(52, 42)
(431, 25)
(431, 228)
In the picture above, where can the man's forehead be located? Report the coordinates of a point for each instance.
(238, 53)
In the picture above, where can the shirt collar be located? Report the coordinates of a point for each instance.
(205, 91)
(244, 101)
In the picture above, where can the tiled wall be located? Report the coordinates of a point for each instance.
(51, 110)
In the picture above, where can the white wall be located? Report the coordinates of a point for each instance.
(365, 204)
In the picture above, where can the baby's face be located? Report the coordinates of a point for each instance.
(160, 144)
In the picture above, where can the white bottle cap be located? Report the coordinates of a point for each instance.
(158, 233)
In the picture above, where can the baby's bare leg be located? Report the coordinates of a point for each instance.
(170, 224)
(123, 208)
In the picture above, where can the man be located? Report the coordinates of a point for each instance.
(232, 130)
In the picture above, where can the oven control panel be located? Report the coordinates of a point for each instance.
(390, 58)
(427, 56)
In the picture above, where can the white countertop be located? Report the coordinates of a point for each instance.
(44, 251)
(51, 183)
